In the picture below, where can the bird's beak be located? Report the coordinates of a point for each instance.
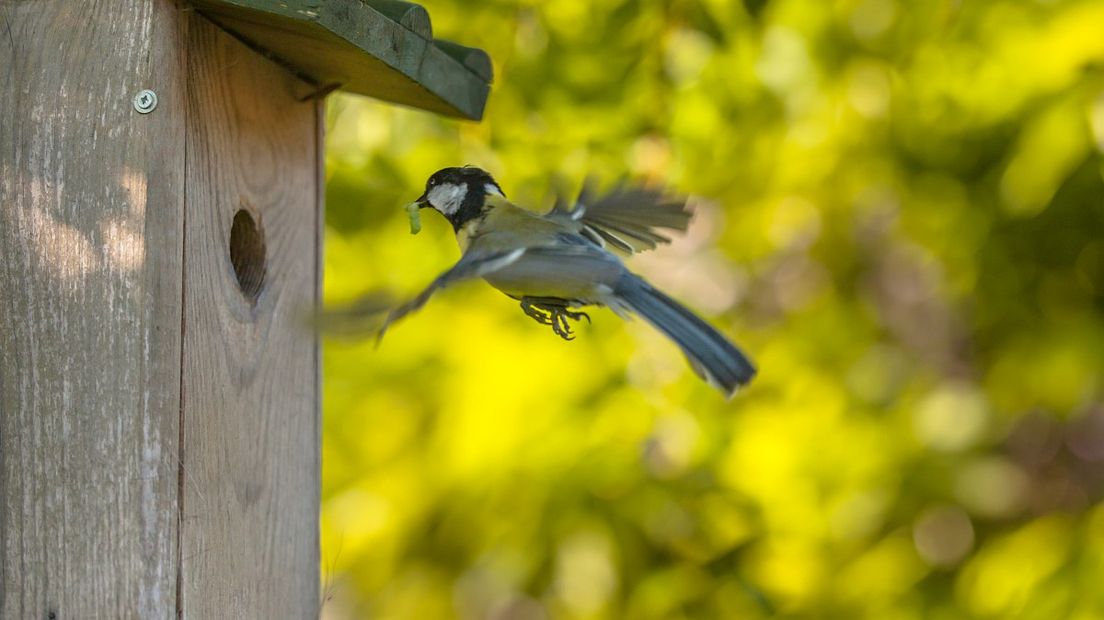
(422, 201)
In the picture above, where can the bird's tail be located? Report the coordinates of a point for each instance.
(713, 357)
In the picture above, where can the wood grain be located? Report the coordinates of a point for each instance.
(249, 536)
(159, 432)
(91, 208)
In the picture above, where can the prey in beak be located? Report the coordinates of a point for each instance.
(413, 213)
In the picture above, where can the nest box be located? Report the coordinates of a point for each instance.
(161, 195)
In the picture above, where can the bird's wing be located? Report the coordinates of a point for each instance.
(570, 267)
(474, 264)
(626, 218)
(355, 319)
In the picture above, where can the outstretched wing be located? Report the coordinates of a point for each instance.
(471, 265)
(626, 218)
(356, 319)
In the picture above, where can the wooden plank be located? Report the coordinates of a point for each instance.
(91, 206)
(350, 43)
(251, 391)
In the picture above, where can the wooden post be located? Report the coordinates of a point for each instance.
(159, 388)
(159, 394)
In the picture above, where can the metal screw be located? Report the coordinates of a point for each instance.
(145, 101)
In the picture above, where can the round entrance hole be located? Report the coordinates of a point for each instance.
(247, 254)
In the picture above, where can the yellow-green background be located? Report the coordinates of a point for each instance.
(900, 217)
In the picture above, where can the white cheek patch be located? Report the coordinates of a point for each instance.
(447, 198)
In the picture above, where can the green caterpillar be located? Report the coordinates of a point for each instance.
(413, 212)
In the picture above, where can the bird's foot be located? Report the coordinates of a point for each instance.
(553, 312)
(560, 325)
(535, 311)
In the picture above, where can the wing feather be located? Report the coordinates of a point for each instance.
(470, 266)
(626, 218)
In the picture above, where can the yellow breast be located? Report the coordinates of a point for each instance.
(466, 232)
(503, 226)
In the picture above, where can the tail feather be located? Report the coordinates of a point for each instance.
(711, 355)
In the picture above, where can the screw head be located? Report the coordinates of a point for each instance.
(145, 101)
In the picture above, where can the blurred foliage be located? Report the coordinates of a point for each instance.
(900, 216)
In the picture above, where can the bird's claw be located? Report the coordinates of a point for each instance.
(555, 315)
(576, 316)
(536, 312)
(561, 327)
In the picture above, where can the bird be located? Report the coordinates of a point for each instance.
(569, 258)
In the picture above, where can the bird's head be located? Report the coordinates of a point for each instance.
(459, 193)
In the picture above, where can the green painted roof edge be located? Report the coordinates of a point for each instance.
(357, 46)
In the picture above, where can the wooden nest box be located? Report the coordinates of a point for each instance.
(161, 193)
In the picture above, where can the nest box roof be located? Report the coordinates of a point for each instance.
(381, 48)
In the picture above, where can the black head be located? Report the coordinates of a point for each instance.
(459, 193)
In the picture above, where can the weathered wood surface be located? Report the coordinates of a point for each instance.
(91, 216)
(159, 439)
(251, 390)
(351, 43)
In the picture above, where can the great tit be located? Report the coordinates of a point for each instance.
(560, 260)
